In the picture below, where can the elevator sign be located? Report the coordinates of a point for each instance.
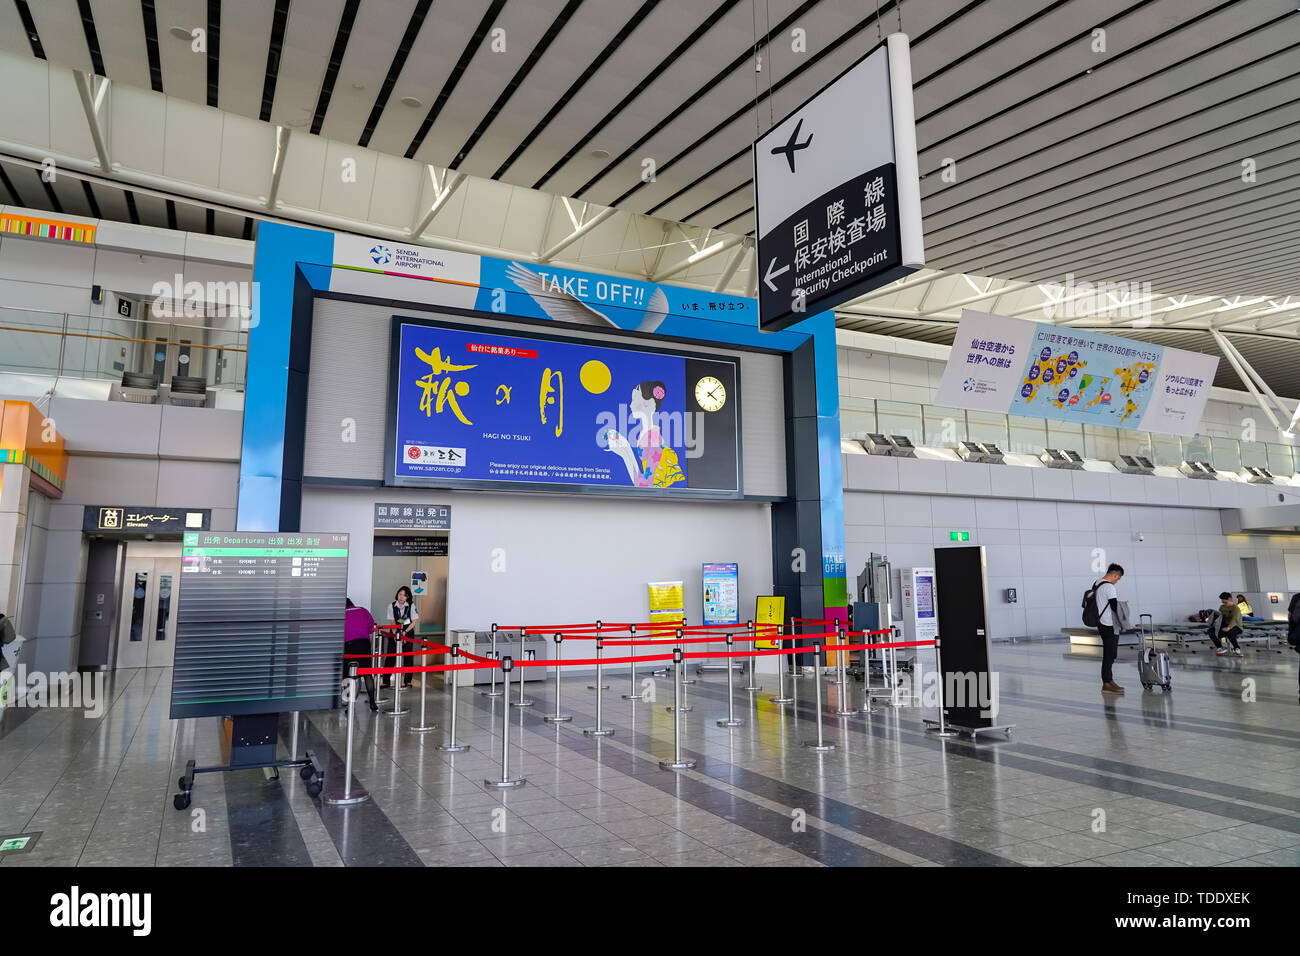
(838, 196)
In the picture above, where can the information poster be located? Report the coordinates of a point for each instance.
(667, 601)
(721, 594)
(770, 610)
(1043, 370)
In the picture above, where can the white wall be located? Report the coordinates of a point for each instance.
(568, 559)
(1048, 550)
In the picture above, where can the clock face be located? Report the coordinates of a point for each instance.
(710, 394)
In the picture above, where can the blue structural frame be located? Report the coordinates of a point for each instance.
(293, 264)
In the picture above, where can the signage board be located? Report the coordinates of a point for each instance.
(259, 623)
(770, 610)
(1044, 370)
(470, 406)
(144, 519)
(667, 601)
(721, 593)
(419, 546)
(837, 191)
(404, 515)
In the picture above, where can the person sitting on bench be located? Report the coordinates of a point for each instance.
(1247, 612)
(1226, 623)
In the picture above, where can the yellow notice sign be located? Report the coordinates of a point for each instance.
(667, 601)
(770, 610)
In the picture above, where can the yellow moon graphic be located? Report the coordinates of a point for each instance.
(594, 376)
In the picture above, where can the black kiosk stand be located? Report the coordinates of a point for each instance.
(259, 632)
(961, 609)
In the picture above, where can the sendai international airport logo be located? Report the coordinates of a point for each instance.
(381, 255)
(968, 385)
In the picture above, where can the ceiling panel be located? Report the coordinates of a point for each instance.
(184, 71)
(308, 40)
(245, 40)
(119, 24)
(374, 39)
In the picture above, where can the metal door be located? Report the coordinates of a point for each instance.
(146, 627)
(162, 613)
(139, 583)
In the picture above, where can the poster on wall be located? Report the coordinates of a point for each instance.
(770, 610)
(1043, 370)
(721, 593)
(667, 601)
(469, 405)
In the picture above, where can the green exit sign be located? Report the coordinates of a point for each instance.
(958, 535)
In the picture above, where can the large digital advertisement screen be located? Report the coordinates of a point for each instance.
(469, 406)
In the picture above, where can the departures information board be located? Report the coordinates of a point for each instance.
(259, 625)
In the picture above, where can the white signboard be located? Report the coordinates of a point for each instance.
(838, 199)
(1043, 370)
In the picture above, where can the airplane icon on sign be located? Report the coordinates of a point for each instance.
(789, 148)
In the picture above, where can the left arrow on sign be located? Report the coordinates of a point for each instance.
(770, 275)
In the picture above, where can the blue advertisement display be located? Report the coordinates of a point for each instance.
(471, 405)
(721, 594)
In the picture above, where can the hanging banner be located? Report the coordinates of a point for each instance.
(667, 601)
(837, 195)
(770, 610)
(1043, 370)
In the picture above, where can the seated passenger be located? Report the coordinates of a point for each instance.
(1226, 623)
(1247, 612)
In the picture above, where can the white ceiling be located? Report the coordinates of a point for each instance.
(1122, 165)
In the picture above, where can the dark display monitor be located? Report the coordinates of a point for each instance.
(259, 625)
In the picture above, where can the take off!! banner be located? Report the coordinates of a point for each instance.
(1043, 370)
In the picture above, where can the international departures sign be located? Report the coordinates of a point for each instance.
(837, 191)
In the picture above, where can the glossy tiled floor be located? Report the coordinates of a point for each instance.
(1199, 777)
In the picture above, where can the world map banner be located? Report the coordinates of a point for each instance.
(1043, 370)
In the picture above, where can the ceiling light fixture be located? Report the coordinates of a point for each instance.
(600, 154)
(411, 101)
(181, 33)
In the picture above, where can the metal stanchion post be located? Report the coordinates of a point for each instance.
(377, 659)
(600, 730)
(754, 685)
(557, 717)
(845, 708)
(522, 701)
(783, 664)
(506, 782)
(451, 747)
(893, 669)
(678, 762)
(493, 692)
(425, 726)
(599, 625)
(679, 687)
(938, 666)
(731, 720)
(397, 710)
(632, 691)
(344, 795)
(819, 744)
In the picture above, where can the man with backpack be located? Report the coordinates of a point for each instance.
(1293, 623)
(1101, 610)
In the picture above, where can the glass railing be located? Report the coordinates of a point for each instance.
(104, 347)
(938, 427)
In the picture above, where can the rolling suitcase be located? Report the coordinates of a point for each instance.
(1153, 664)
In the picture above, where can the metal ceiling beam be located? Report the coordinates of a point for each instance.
(441, 196)
(695, 258)
(577, 234)
(282, 134)
(1254, 373)
(1240, 365)
(92, 99)
(991, 293)
(733, 264)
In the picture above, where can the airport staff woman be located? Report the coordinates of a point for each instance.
(402, 611)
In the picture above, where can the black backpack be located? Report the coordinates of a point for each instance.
(1091, 616)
